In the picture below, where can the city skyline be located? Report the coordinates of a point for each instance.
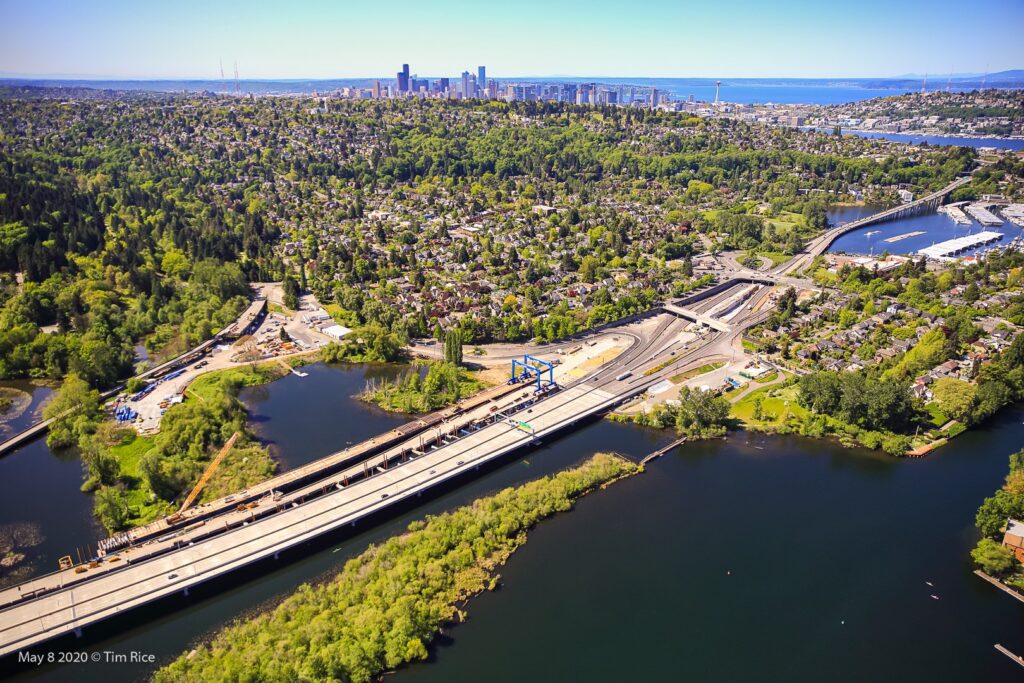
(650, 38)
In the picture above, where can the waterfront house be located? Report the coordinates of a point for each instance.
(1014, 538)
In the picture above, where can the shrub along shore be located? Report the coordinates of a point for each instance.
(383, 608)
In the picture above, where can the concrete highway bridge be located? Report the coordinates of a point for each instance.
(233, 536)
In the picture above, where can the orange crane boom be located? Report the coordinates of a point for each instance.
(203, 480)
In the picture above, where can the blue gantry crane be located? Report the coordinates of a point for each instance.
(534, 367)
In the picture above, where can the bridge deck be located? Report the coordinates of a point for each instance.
(66, 609)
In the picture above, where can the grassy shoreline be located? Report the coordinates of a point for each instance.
(383, 608)
(775, 409)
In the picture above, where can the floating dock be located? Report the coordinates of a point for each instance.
(956, 213)
(950, 249)
(983, 215)
(1014, 213)
(904, 236)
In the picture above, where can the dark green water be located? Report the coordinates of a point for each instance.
(726, 561)
(775, 559)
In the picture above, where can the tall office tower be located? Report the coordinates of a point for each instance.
(654, 98)
(690, 98)
(465, 85)
(403, 79)
(510, 92)
(445, 84)
(481, 77)
(376, 90)
(472, 86)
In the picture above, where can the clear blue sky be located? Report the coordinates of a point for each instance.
(345, 38)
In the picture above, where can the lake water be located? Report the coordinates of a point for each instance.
(943, 140)
(752, 558)
(937, 227)
(318, 410)
(39, 395)
(937, 140)
(755, 559)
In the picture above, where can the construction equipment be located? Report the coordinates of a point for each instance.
(203, 480)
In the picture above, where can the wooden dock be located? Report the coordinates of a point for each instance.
(1016, 658)
(1000, 585)
(662, 451)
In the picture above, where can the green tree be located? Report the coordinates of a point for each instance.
(993, 557)
(75, 410)
(111, 508)
(453, 347)
(102, 466)
(134, 385)
(995, 510)
(291, 292)
(955, 397)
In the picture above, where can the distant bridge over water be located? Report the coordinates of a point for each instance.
(820, 244)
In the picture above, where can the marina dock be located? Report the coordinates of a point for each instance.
(945, 251)
(1014, 213)
(956, 213)
(983, 215)
(904, 236)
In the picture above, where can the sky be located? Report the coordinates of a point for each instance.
(155, 39)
